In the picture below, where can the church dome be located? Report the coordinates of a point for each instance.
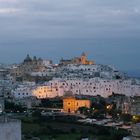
(28, 59)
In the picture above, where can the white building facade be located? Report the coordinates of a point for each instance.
(91, 80)
(98, 86)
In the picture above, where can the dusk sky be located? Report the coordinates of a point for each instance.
(107, 30)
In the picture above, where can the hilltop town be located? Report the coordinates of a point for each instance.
(68, 87)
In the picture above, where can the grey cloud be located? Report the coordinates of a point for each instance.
(83, 16)
(100, 23)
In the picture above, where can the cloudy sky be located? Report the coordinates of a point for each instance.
(107, 30)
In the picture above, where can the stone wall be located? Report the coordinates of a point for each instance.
(10, 130)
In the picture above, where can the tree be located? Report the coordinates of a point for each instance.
(83, 110)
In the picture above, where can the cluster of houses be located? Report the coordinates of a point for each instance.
(79, 75)
(93, 87)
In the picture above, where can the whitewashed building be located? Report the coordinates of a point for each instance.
(91, 80)
(93, 87)
(42, 92)
(98, 86)
(22, 92)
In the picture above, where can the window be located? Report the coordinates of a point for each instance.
(68, 103)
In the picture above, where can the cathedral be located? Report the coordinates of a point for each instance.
(28, 65)
(82, 60)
